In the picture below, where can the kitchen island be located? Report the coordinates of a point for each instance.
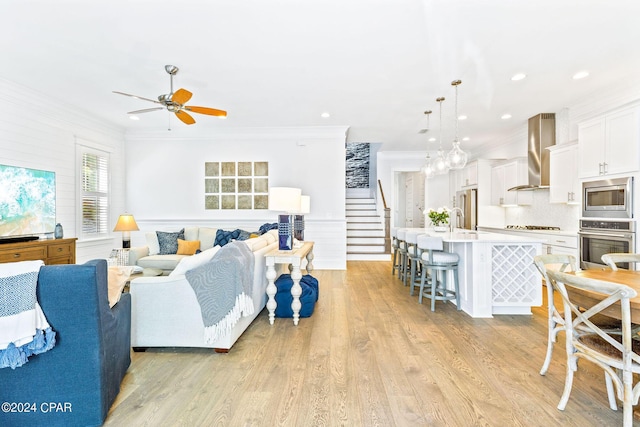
(496, 272)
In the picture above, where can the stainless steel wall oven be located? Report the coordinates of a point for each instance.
(599, 237)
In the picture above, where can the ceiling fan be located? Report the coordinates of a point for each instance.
(175, 102)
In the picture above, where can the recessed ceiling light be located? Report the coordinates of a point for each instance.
(462, 117)
(432, 139)
(505, 116)
(134, 117)
(466, 138)
(518, 76)
(325, 115)
(580, 75)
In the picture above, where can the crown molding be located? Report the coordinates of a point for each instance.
(271, 134)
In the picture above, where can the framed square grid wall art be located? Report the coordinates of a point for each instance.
(236, 185)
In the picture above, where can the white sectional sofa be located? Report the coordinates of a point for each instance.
(166, 313)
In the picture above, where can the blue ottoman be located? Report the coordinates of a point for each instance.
(309, 285)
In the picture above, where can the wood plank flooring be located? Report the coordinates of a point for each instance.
(369, 356)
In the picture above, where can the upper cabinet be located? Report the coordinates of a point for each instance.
(470, 174)
(610, 144)
(563, 174)
(505, 176)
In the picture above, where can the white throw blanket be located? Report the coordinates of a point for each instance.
(24, 329)
(223, 289)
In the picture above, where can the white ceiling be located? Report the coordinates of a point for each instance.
(374, 65)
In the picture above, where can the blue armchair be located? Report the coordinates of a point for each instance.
(74, 383)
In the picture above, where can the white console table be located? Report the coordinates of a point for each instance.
(293, 259)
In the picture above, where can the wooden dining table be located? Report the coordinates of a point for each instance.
(624, 277)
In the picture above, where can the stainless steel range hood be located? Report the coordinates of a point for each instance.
(542, 134)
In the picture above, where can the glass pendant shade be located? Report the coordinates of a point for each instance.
(440, 164)
(427, 169)
(456, 158)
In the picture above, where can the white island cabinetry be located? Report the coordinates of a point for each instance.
(496, 272)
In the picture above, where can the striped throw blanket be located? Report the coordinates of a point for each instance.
(223, 289)
(24, 330)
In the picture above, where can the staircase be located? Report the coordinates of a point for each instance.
(365, 231)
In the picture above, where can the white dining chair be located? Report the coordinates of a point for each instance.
(613, 351)
(617, 258)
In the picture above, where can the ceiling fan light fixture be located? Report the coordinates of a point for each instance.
(175, 102)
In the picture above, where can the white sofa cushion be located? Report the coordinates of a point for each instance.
(152, 242)
(207, 237)
(191, 233)
(163, 262)
(256, 243)
(194, 261)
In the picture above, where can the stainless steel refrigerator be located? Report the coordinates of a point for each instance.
(467, 200)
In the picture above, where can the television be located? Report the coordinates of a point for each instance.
(27, 203)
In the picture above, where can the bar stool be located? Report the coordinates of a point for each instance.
(434, 258)
(411, 239)
(394, 250)
(402, 252)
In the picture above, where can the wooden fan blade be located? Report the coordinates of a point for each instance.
(136, 96)
(146, 110)
(181, 96)
(207, 110)
(186, 118)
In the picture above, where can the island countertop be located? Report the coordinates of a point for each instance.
(462, 235)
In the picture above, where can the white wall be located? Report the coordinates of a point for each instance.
(166, 181)
(41, 133)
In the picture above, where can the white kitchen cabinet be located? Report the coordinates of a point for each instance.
(610, 144)
(563, 174)
(470, 174)
(505, 176)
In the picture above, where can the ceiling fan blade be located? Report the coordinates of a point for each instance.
(181, 96)
(146, 110)
(185, 118)
(207, 110)
(136, 96)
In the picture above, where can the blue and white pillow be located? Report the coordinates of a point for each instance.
(168, 242)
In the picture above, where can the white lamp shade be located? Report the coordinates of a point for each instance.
(126, 222)
(284, 199)
(305, 204)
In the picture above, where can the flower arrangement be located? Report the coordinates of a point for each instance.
(438, 217)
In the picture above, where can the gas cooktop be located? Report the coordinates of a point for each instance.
(532, 227)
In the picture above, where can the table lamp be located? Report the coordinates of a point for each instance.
(298, 218)
(126, 223)
(285, 199)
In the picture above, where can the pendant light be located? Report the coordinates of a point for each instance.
(427, 169)
(456, 158)
(440, 162)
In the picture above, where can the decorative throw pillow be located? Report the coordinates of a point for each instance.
(191, 262)
(168, 242)
(152, 242)
(188, 247)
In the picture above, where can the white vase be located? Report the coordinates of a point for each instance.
(440, 228)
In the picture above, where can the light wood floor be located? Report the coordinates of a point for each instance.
(369, 356)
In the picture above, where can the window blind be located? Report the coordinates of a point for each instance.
(95, 194)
